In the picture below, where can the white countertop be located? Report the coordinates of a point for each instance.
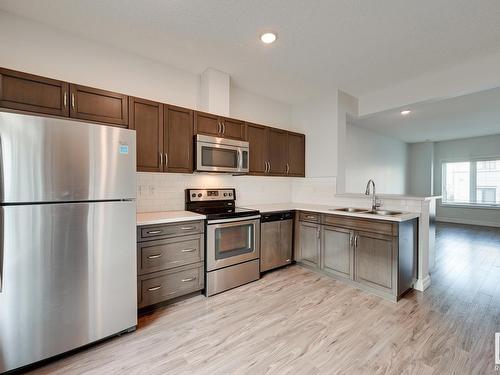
(165, 217)
(263, 208)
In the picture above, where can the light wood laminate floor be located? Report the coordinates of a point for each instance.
(294, 321)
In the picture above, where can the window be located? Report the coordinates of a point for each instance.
(474, 182)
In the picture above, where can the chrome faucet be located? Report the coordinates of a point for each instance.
(375, 201)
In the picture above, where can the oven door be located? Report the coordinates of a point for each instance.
(221, 155)
(232, 241)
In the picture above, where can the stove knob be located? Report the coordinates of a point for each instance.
(230, 194)
(193, 195)
(199, 195)
(225, 194)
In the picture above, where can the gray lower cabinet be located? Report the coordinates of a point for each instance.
(170, 261)
(337, 253)
(376, 262)
(378, 256)
(309, 243)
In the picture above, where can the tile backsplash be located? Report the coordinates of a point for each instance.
(165, 191)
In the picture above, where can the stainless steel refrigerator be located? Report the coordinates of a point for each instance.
(67, 236)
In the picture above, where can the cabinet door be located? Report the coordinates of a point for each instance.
(277, 151)
(233, 129)
(296, 154)
(206, 123)
(309, 243)
(146, 118)
(286, 241)
(336, 251)
(26, 92)
(257, 140)
(178, 139)
(92, 104)
(374, 260)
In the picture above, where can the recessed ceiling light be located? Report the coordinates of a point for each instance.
(405, 112)
(268, 38)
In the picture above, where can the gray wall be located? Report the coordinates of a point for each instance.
(370, 155)
(463, 149)
(421, 168)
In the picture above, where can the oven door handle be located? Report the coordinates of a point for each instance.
(223, 221)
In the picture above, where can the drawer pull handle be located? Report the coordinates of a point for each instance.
(188, 279)
(153, 288)
(310, 217)
(154, 256)
(188, 228)
(154, 232)
(288, 260)
(188, 250)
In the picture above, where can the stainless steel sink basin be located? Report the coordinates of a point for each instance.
(349, 209)
(384, 212)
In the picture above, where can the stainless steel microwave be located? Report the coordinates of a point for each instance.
(215, 154)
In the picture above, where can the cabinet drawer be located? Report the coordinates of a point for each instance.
(165, 285)
(152, 232)
(375, 226)
(161, 255)
(309, 216)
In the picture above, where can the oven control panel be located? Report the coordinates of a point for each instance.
(197, 195)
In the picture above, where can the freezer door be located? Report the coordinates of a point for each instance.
(50, 160)
(68, 277)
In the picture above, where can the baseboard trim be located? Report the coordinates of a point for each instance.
(468, 222)
(422, 284)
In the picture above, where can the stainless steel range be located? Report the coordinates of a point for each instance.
(232, 237)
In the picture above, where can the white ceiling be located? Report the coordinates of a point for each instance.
(357, 46)
(472, 115)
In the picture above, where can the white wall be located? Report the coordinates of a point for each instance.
(463, 149)
(421, 169)
(317, 119)
(255, 108)
(370, 155)
(35, 48)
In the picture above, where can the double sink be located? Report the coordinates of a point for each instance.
(363, 211)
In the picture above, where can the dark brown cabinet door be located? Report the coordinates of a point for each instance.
(146, 118)
(296, 154)
(92, 104)
(277, 151)
(208, 124)
(178, 139)
(233, 129)
(27, 92)
(257, 139)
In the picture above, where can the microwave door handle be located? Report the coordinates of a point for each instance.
(240, 160)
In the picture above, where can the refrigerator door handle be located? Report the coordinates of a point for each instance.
(1, 247)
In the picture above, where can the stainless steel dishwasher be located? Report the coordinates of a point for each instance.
(276, 239)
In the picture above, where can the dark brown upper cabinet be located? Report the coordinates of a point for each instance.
(296, 154)
(27, 92)
(92, 104)
(257, 140)
(277, 152)
(218, 126)
(146, 117)
(178, 139)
